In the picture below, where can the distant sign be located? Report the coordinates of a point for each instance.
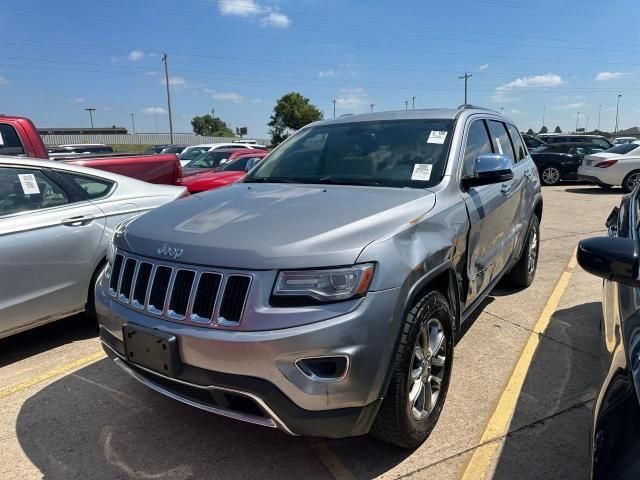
(241, 130)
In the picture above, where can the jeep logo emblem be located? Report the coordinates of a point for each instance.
(168, 251)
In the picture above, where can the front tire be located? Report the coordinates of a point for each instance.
(630, 181)
(523, 273)
(550, 175)
(421, 373)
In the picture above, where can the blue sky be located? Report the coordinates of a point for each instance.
(239, 56)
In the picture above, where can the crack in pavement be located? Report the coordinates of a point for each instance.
(533, 424)
(543, 335)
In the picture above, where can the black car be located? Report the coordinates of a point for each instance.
(532, 142)
(616, 422)
(575, 138)
(560, 161)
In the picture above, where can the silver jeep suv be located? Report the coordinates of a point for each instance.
(322, 295)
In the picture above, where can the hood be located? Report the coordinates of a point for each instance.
(275, 226)
(211, 180)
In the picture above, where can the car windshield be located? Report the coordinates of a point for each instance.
(239, 165)
(192, 153)
(393, 153)
(208, 160)
(625, 148)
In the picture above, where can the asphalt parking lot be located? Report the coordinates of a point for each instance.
(519, 405)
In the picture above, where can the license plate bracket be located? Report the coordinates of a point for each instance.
(152, 349)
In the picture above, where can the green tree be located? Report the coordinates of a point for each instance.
(557, 129)
(292, 112)
(210, 126)
(544, 130)
(531, 132)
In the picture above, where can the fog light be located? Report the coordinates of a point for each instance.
(324, 369)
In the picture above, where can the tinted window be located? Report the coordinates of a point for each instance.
(600, 141)
(477, 143)
(521, 152)
(396, 153)
(192, 153)
(622, 149)
(239, 165)
(93, 188)
(9, 141)
(23, 189)
(208, 160)
(578, 151)
(501, 140)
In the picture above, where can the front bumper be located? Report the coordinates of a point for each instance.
(261, 365)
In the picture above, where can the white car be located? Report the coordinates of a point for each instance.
(190, 153)
(56, 221)
(619, 165)
(623, 140)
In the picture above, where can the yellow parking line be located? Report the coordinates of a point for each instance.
(482, 459)
(52, 373)
(330, 459)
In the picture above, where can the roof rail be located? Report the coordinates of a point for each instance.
(467, 106)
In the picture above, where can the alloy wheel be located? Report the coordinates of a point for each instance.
(632, 181)
(533, 252)
(551, 175)
(427, 371)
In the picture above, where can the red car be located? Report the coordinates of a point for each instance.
(230, 172)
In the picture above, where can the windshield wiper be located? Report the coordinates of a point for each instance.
(347, 181)
(270, 180)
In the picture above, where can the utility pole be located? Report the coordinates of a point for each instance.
(133, 123)
(617, 110)
(544, 113)
(334, 107)
(413, 103)
(577, 116)
(406, 104)
(586, 128)
(166, 79)
(91, 110)
(466, 77)
(599, 111)
(372, 105)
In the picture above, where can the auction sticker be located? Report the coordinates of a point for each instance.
(29, 184)
(422, 171)
(437, 137)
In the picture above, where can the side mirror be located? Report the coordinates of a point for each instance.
(611, 258)
(490, 168)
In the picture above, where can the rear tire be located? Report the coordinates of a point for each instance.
(421, 374)
(523, 273)
(550, 175)
(630, 181)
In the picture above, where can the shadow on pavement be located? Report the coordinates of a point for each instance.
(595, 190)
(98, 423)
(551, 427)
(41, 339)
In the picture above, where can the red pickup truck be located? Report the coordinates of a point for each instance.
(19, 136)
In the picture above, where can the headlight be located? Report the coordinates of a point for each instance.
(325, 285)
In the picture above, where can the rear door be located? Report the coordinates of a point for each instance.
(48, 239)
(491, 210)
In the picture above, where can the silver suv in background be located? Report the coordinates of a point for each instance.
(324, 293)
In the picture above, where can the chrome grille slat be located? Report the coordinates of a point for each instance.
(201, 296)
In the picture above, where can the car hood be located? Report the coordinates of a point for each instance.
(275, 226)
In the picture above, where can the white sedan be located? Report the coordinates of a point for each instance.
(619, 165)
(56, 221)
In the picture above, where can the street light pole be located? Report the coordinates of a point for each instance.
(372, 105)
(544, 113)
(617, 110)
(133, 123)
(334, 107)
(599, 111)
(406, 104)
(577, 117)
(91, 110)
(165, 60)
(586, 128)
(466, 77)
(413, 103)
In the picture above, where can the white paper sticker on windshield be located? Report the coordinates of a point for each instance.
(29, 184)
(499, 145)
(1, 139)
(422, 171)
(437, 137)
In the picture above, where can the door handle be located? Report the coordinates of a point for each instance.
(78, 221)
(506, 189)
(527, 173)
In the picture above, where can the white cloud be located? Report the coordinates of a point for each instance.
(176, 81)
(326, 73)
(483, 67)
(515, 111)
(228, 97)
(257, 100)
(569, 106)
(4, 81)
(79, 100)
(135, 55)
(268, 16)
(539, 81)
(604, 76)
(154, 111)
(107, 108)
(351, 98)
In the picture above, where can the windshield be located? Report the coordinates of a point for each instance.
(395, 153)
(625, 148)
(208, 160)
(239, 165)
(192, 153)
